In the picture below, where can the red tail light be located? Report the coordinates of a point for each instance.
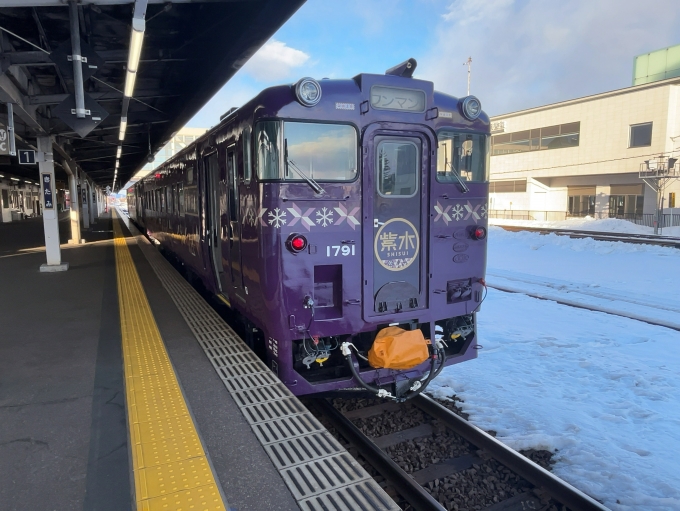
(296, 243)
(479, 233)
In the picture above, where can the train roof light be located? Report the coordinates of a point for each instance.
(479, 233)
(471, 107)
(308, 91)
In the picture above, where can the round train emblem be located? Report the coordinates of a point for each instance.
(397, 244)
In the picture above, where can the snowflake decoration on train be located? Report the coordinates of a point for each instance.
(457, 212)
(251, 219)
(324, 217)
(483, 211)
(277, 218)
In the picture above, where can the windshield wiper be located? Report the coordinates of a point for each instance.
(464, 188)
(290, 163)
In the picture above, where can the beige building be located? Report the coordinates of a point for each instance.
(583, 156)
(182, 139)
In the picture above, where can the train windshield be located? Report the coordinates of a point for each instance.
(295, 151)
(462, 156)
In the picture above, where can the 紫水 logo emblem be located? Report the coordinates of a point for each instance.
(397, 244)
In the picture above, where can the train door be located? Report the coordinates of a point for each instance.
(234, 220)
(395, 212)
(213, 207)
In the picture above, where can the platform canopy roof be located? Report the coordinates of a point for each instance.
(190, 50)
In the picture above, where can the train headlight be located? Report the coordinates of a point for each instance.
(471, 107)
(308, 91)
(296, 243)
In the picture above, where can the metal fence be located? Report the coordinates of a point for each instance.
(518, 214)
(666, 220)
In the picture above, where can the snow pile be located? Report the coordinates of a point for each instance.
(602, 390)
(589, 224)
(627, 278)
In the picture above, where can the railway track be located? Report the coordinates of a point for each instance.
(642, 239)
(474, 471)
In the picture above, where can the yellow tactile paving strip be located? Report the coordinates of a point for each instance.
(171, 470)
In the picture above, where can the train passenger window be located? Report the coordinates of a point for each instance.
(180, 203)
(170, 192)
(247, 164)
(465, 155)
(267, 139)
(323, 152)
(397, 168)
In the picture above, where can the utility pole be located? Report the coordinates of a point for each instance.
(468, 63)
(657, 173)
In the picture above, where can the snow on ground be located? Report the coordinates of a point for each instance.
(602, 390)
(589, 224)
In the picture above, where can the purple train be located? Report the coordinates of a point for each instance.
(325, 213)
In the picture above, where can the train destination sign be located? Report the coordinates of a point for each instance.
(393, 98)
(48, 193)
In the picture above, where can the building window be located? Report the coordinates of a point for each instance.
(625, 206)
(514, 186)
(640, 135)
(581, 205)
(548, 137)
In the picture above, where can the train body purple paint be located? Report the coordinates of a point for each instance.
(383, 245)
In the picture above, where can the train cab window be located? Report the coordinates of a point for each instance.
(397, 168)
(322, 152)
(462, 155)
(316, 151)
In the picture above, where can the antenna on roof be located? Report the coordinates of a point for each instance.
(468, 62)
(404, 69)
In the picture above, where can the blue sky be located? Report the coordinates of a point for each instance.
(525, 52)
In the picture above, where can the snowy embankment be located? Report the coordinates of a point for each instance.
(602, 390)
(614, 225)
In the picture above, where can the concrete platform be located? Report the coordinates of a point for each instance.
(65, 440)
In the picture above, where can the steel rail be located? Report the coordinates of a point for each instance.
(560, 490)
(407, 487)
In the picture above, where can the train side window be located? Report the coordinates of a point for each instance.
(180, 204)
(465, 155)
(247, 164)
(267, 136)
(397, 168)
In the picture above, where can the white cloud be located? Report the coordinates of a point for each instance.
(465, 12)
(534, 52)
(274, 61)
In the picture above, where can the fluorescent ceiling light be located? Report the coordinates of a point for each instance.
(119, 151)
(129, 84)
(117, 163)
(123, 127)
(14, 179)
(1, 175)
(136, 40)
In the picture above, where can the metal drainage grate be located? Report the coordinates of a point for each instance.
(364, 495)
(318, 471)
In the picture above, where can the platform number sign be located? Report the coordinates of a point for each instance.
(48, 193)
(26, 157)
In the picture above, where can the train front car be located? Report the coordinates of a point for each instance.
(373, 219)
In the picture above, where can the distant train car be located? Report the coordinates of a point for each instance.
(344, 221)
